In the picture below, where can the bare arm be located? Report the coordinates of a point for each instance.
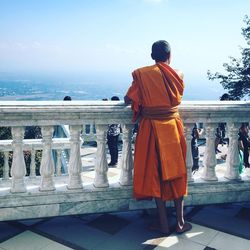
(179, 73)
(127, 100)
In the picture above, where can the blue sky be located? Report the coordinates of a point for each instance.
(116, 36)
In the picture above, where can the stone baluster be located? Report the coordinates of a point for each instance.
(58, 162)
(6, 167)
(233, 160)
(189, 158)
(209, 160)
(127, 159)
(33, 164)
(18, 168)
(84, 129)
(75, 163)
(47, 165)
(93, 129)
(101, 166)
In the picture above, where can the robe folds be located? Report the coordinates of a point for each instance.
(160, 148)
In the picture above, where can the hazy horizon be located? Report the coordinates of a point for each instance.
(39, 86)
(106, 40)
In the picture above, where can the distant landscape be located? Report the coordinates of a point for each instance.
(35, 87)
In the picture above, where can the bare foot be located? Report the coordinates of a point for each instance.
(186, 227)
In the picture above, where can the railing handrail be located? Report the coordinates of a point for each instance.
(55, 194)
(28, 113)
(37, 144)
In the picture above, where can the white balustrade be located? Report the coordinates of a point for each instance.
(75, 163)
(33, 164)
(189, 159)
(6, 166)
(18, 168)
(47, 165)
(58, 162)
(101, 165)
(233, 160)
(209, 160)
(69, 186)
(89, 132)
(127, 159)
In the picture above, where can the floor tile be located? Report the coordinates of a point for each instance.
(223, 209)
(74, 231)
(135, 236)
(56, 246)
(87, 217)
(131, 215)
(27, 241)
(244, 214)
(7, 230)
(174, 242)
(224, 241)
(30, 222)
(109, 223)
(209, 248)
(200, 234)
(229, 224)
(152, 243)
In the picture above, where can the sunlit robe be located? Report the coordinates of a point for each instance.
(160, 150)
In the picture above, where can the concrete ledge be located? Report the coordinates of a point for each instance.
(115, 198)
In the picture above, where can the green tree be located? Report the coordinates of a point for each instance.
(237, 79)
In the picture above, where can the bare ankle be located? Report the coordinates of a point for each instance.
(180, 224)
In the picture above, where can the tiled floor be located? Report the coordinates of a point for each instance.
(221, 227)
(226, 227)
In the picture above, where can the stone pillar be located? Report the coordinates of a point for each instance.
(18, 168)
(127, 159)
(75, 163)
(189, 159)
(101, 165)
(209, 160)
(47, 166)
(33, 164)
(6, 166)
(58, 162)
(233, 160)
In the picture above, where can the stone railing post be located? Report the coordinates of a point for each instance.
(33, 164)
(127, 159)
(209, 160)
(75, 163)
(47, 165)
(189, 158)
(233, 159)
(58, 162)
(6, 167)
(18, 168)
(101, 165)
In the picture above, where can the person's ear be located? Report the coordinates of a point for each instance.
(169, 58)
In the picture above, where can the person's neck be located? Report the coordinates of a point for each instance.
(166, 62)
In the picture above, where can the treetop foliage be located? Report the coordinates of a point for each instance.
(237, 79)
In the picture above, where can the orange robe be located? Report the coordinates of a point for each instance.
(160, 149)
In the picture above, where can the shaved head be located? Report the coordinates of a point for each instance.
(160, 51)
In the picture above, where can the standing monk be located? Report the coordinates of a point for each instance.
(160, 150)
